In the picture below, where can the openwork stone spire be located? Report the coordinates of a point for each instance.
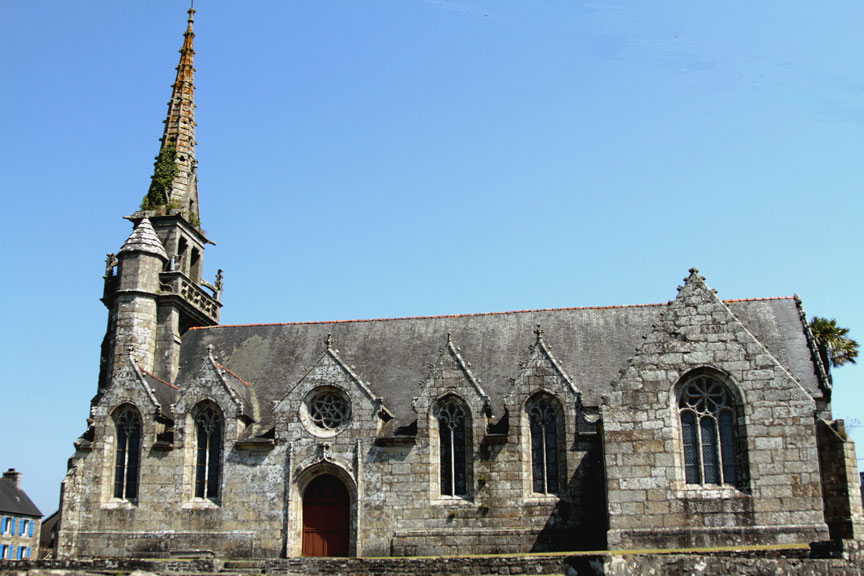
(175, 181)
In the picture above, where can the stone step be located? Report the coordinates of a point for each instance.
(462, 566)
(257, 566)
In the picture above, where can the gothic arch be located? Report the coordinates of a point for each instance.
(206, 429)
(128, 435)
(710, 411)
(543, 445)
(302, 478)
(451, 442)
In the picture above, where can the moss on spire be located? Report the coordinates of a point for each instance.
(163, 177)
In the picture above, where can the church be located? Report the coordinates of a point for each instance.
(697, 422)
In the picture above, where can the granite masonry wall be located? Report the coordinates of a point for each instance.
(620, 469)
(840, 482)
(776, 497)
(394, 486)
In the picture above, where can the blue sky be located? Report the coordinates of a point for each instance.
(378, 158)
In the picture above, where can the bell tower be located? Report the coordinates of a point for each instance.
(154, 289)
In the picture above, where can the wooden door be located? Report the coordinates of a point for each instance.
(325, 517)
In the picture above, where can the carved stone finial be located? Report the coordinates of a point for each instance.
(329, 341)
(219, 280)
(539, 332)
(449, 338)
(694, 270)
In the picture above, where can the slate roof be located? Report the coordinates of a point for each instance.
(15, 502)
(144, 239)
(165, 393)
(394, 355)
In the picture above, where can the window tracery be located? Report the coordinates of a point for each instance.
(543, 419)
(452, 449)
(208, 465)
(127, 426)
(707, 413)
(329, 410)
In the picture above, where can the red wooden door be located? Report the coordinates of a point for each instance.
(325, 517)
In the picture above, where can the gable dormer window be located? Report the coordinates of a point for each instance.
(127, 458)
(544, 417)
(453, 448)
(208, 461)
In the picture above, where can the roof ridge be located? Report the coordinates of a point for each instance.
(758, 299)
(158, 379)
(429, 317)
(233, 374)
(468, 315)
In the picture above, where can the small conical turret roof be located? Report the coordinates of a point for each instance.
(175, 181)
(144, 239)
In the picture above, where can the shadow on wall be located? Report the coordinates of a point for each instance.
(579, 522)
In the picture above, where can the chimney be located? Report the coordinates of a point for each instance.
(13, 476)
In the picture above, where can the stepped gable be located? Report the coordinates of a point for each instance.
(393, 355)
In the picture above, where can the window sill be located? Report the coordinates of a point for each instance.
(120, 504)
(201, 504)
(709, 492)
(452, 501)
(536, 498)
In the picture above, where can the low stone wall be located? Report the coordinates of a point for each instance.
(825, 559)
(481, 541)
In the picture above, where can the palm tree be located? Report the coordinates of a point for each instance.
(835, 347)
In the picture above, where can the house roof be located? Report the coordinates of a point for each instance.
(394, 355)
(14, 501)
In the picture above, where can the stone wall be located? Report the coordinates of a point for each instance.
(396, 505)
(822, 561)
(622, 479)
(839, 466)
(776, 495)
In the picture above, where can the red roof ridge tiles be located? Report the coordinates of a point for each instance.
(233, 374)
(759, 299)
(158, 379)
(433, 317)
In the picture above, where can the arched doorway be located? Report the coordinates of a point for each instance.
(326, 512)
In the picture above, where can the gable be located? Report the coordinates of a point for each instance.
(329, 371)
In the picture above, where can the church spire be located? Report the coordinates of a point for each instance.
(175, 182)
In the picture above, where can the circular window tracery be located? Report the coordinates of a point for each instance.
(328, 410)
(325, 411)
(705, 395)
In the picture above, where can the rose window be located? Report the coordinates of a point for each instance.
(328, 410)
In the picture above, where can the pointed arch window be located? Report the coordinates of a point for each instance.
(543, 419)
(708, 431)
(127, 459)
(453, 449)
(208, 460)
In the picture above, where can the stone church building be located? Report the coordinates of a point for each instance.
(696, 422)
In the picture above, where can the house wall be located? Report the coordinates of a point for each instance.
(17, 534)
